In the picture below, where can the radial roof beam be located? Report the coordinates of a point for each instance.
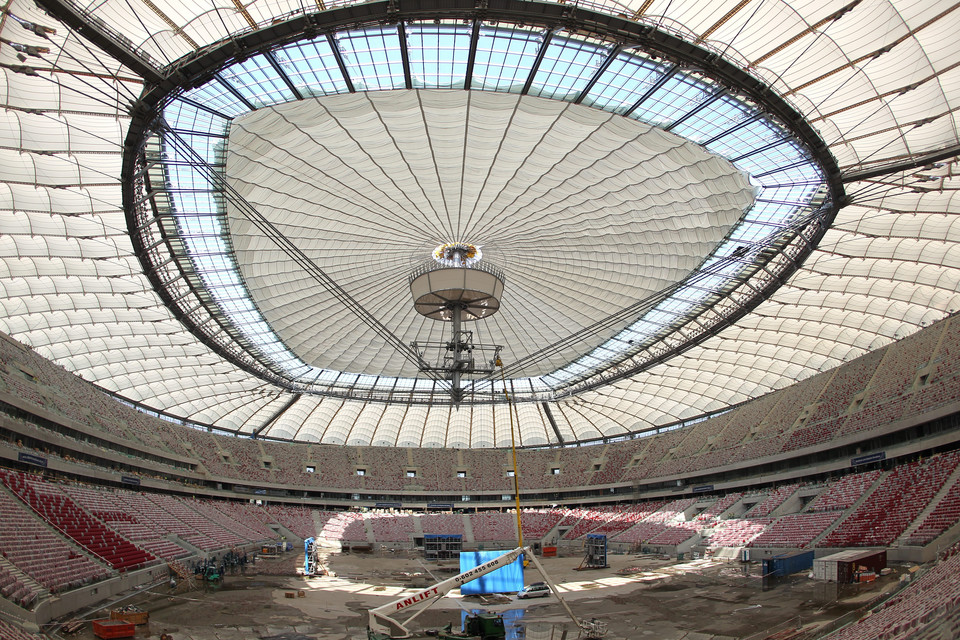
(809, 30)
(115, 44)
(472, 55)
(247, 210)
(404, 56)
(614, 52)
(202, 134)
(722, 21)
(904, 164)
(689, 114)
(276, 416)
(670, 348)
(900, 90)
(236, 94)
(642, 10)
(547, 36)
(553, 422)
(272, 59)
(341, 63)
(733, 129)
(778, 169)
(875, 53)
(203, 107)
(675, 56)
(753, 152)
(662, 80)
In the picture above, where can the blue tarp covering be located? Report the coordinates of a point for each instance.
(506, 579)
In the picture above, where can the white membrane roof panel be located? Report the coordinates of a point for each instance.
(879, 79)
(585, 213)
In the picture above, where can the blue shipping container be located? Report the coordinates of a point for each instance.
(788, 563)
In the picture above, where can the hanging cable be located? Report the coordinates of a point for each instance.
(513, 450)
(635, 310)
(248, 211)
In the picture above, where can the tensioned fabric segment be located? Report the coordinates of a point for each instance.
(903, 69)
(880, 82)
(585, 212)
(675, 100)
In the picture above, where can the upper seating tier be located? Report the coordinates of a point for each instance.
(917, 374)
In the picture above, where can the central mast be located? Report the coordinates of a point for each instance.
(456, 287)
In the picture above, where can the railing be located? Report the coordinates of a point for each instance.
(851, 617)
(429, 266)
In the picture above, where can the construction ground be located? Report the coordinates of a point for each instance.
(637, 596)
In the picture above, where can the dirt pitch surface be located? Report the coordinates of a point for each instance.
(637, 596)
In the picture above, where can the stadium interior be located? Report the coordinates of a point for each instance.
(667, 291)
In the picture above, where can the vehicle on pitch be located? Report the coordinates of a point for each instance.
(534, 590)
(384, 624)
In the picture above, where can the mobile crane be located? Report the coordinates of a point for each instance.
(383, 626)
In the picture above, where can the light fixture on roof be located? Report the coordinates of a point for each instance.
(455, 287)
(457, 254)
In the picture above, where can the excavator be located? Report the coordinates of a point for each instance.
(384, 625)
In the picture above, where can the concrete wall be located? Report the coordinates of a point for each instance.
(90, 595)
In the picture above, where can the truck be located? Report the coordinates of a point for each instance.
(384, 625)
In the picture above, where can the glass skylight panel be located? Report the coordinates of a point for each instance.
(204, 249)
(539, 384)
(590, 361)
(559, 377)
(799, 194)
(438, 53)
(775, 155)
(230, 287)
(189, 117)
(225, 265)
(698, 289)
(236, 304)
(801, 172)
(216, 96)
(188, 178)
(708, 286)
(312, 67)
(366, 380)
(505, 57)
(724, 114)
(755, 135)
(206, 146)
(249, 320)
(257, 81)
(372, 58)
(193, 225)
(605, 354)
(627, 78)
(678, 96)
(752, 233)
(423, 384)
(208, 251)
(676, 304)
(258, 327)
(403, 383)
(567, 67)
